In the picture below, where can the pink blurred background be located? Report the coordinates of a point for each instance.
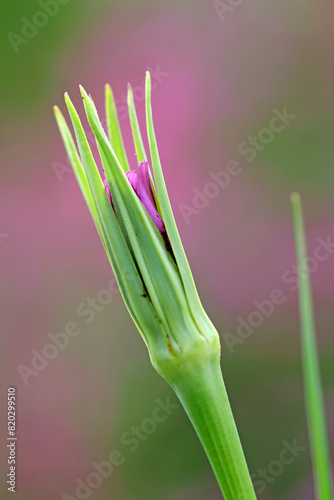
(220, 75)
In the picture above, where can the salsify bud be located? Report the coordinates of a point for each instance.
(133, 216)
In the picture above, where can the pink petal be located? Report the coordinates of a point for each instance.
(146, 195)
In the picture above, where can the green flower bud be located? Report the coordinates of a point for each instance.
(147, 257)
(134, 219)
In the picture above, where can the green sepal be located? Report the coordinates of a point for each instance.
(137, 138)
(138, 141)
(115, 134)
(75, 161)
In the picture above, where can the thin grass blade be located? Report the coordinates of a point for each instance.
(314, 400)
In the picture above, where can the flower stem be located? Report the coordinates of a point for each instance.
(200, 387)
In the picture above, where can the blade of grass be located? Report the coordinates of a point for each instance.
(311, 372)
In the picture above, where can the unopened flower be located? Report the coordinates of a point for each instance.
(132, 213)
(133, 216)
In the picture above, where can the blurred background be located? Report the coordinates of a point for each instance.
(243, 106)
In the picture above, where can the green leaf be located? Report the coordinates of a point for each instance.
(139, 146)
(311, 372)
(200, 316)
(114, 130)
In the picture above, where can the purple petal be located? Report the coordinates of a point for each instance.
(132, 176)
(146, 195)
(141, 184)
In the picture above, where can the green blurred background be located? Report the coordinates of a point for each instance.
(221, 72)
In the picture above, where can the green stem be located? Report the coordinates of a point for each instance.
(315, 408)
(201, 390)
